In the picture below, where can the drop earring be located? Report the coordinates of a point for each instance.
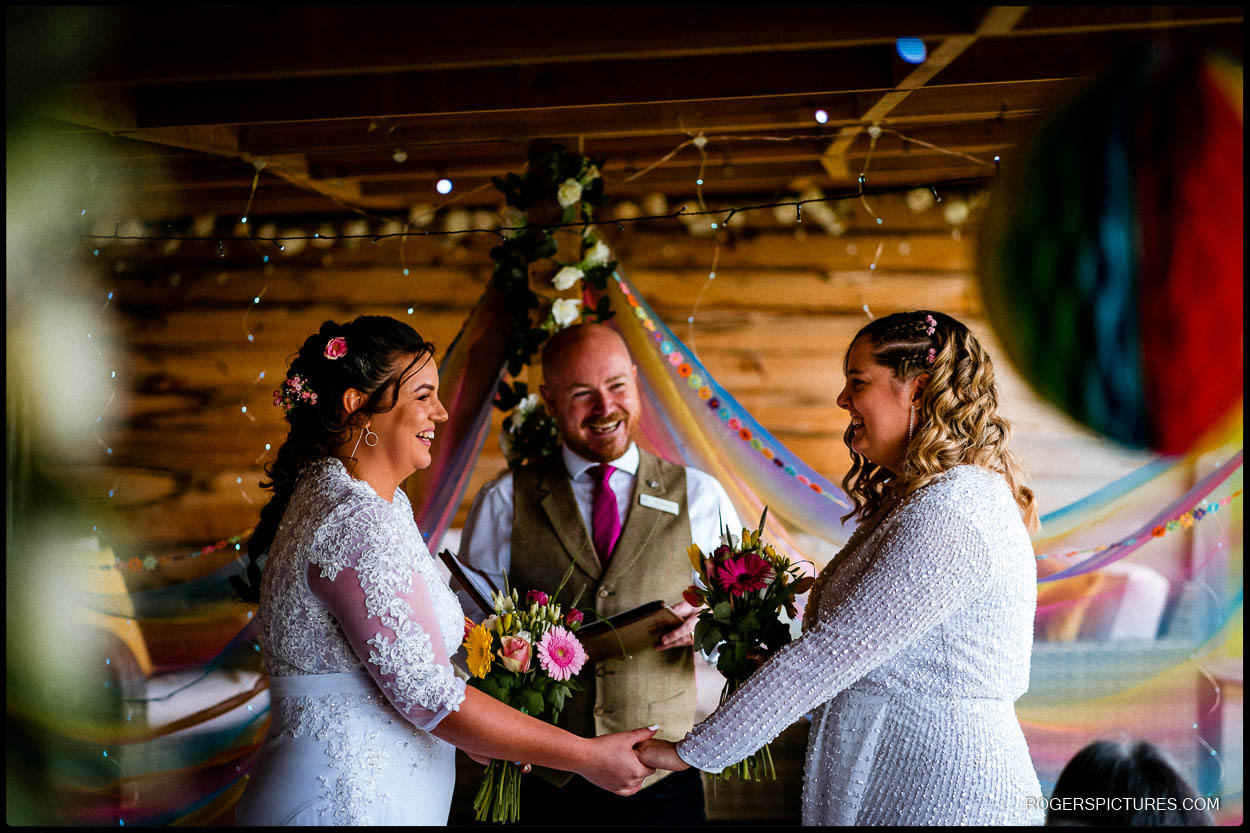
(911, 423)
(365, 435)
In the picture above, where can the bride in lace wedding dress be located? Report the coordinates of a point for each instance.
(918, 634)
(356, 623)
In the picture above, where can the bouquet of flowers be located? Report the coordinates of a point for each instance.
(525, 657)
(746, 585)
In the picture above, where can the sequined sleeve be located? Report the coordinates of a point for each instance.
(362, 572)
(926, 566)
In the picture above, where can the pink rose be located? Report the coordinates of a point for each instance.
(336, 348)
(515, 654)
(573, 618)
(536, 596)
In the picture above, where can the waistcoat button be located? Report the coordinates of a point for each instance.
(604, 592)
(599, 711)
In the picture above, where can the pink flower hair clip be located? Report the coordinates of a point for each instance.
(293, 393)
(336, 348)
(932, 355)
(932, 326)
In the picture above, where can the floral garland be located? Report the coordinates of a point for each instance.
(574, 182)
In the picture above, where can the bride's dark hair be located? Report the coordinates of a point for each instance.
(374, 345)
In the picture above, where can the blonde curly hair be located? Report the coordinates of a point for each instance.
(957, 418)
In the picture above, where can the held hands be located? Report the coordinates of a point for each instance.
(613, 764)
(660, 754)
(683, 634)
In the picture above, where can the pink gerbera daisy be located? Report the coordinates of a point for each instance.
(560, 653)
(744, 575)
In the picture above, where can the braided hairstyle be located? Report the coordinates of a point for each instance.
(957, 421)
(373, 363)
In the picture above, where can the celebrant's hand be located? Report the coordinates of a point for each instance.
(683, 634)
(661, 754)
(613, 764)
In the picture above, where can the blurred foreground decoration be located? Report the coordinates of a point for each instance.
(1111, 256)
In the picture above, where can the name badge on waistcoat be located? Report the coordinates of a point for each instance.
(653, 502)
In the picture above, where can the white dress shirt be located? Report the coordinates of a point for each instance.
(486, 544)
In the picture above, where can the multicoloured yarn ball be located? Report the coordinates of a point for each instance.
(1111, 255)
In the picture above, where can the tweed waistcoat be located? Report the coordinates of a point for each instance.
(648, 563)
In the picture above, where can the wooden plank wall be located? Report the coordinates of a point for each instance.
(772, 327)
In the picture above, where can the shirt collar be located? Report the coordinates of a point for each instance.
(577, 464)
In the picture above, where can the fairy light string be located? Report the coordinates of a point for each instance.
(501, 231)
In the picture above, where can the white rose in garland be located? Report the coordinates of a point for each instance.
(526, 405)
(566, 311)
(566, 277)
(599, 255)
(569, 193)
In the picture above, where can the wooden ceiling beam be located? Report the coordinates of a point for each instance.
(601, 82)
(713, 117)
(154, 44)
(997, 20)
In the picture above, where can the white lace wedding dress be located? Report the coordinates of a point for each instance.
(916, 644)
(349, 578)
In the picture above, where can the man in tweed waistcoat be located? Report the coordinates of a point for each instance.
(624, 519)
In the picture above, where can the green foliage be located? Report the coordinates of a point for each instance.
(556, 698)
(532, 702)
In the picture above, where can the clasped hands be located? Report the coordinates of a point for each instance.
(621, 761)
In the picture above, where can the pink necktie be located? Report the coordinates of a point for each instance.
(605, 518)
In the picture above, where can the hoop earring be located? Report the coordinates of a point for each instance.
(911, 423)
(363, 437)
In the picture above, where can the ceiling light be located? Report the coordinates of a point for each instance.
(911, 50)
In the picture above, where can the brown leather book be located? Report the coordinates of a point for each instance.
(628, 632)
(477, 585)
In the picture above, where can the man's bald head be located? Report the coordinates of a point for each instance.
(572, 341)
(590, 387)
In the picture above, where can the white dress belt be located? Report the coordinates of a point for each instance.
(319, 685)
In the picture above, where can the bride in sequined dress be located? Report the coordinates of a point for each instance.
(357, 626)
(917, 635)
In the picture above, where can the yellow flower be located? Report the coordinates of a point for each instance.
(477, 645)
(696, 557)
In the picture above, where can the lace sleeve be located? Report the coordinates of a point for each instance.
(925, 567)
(370, 583)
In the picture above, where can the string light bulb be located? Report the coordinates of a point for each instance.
(444, 186)
(821, 117)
